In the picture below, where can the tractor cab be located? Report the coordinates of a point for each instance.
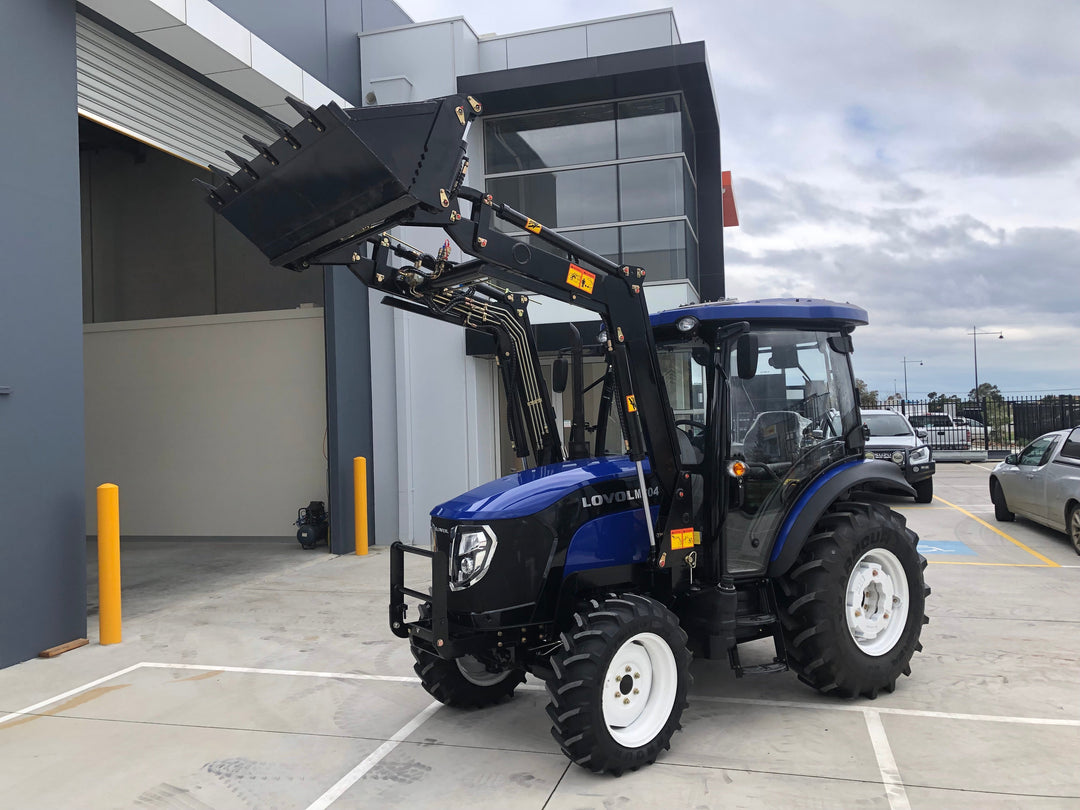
(764, 401)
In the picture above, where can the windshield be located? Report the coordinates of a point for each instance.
(886, 424)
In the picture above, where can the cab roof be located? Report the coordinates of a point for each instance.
(818, 311)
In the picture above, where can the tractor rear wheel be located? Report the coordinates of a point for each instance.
(852, 605)
(464, 682)
(619, 684)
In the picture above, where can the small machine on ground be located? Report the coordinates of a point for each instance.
(723, 499)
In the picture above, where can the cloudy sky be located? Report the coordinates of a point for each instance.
(920, 159)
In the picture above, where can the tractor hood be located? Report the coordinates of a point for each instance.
(526, 493)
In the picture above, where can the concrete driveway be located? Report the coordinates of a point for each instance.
(261, 675)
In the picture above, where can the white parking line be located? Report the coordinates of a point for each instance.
(890, 774)
(299, 673)
(372, 759)
(842, 707)
(67, 694)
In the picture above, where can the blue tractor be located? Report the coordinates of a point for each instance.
(718, 493)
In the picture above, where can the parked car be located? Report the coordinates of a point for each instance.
(943, 432)
(894, 439)
(976, 427)
(1042, 483)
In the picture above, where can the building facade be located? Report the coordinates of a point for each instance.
(144, 343)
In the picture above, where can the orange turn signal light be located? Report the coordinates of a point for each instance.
(736, 469)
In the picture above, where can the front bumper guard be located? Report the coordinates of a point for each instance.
(433, 626)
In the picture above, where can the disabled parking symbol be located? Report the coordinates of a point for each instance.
(951, 547)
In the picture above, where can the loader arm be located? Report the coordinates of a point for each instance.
(332, 186)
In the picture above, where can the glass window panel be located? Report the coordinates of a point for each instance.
(650, 126)
(689, 198)
(604, 241)
(549, 139)
(658, 247)
(652, 189)
(692, 260)
(561, 199)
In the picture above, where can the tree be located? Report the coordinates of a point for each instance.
(936, 402)
(867, 398)
(986, 391)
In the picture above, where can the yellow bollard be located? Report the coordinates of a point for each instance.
(360, 503)
(108, 510)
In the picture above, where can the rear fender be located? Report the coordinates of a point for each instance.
(877, 476)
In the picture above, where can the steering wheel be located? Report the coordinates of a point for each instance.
(692, 423)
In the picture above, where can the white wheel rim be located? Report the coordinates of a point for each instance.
(474, 671)
(639, 690)
(877, 601)
(1074, 528)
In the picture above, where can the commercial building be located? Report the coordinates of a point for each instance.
(145, 343)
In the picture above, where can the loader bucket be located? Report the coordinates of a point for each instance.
(339, 174)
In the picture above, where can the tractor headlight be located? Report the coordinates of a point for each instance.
(471, 550)
(920, 455)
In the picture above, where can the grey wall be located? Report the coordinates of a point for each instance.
(348, 403)
(42, 526)
(319, 35)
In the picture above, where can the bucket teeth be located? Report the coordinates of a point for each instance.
(227, 175)
(243, 164)
(307, 112)
(262, 149)
(285, 134)
(208, 187)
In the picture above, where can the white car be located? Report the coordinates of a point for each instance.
(892, 438)
(1042, 483)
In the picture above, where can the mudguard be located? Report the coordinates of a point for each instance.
(877, 476)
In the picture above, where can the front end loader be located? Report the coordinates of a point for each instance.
(725, 498)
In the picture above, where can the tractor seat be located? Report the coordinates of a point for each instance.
(774, 439)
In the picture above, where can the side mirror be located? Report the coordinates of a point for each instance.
(1013, 459)
(558, 375)
(921, 433)
(746, 357)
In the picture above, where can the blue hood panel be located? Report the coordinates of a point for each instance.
(526, 493)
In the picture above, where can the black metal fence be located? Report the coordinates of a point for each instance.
(999, 426)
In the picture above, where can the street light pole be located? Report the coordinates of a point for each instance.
(905, 361)
(975, 351)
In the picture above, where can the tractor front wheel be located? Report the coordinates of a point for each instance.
(852, 605)
(465, 682)
(619, 684)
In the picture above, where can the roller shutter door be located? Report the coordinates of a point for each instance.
(126, 88)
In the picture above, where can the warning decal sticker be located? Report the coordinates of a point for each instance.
(682, 538)
(631, 404)
(581, 278)
(533, 225)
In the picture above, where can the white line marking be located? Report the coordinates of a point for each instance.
(840, 707)
(69, 693)
(372, 759)
(890, 774)
(300, 673)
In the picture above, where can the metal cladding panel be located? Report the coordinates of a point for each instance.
(771, 309)
(125, 87)
(526, 493)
